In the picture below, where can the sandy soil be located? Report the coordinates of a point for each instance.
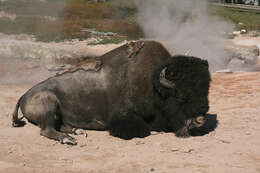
(245, 40)
(233, 146)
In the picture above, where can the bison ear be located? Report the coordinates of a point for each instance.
(165, 82)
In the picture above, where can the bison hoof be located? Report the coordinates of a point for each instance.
(80, 132)
(183, 133)
(18, 123)
(69, 141)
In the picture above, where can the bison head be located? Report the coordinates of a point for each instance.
(183, 85)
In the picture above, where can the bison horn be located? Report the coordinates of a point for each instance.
(166, 83)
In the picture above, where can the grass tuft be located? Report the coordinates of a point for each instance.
(250, 20)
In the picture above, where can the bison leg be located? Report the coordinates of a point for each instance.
(48, 130)
(180, 124)
(42, 109)
(184, 130)
(66, 129)
(71, 130)
(128, 126)
(188, 125)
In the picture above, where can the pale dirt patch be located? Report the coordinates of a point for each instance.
(25, 47)
(245, 40)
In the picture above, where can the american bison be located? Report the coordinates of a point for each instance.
(136, 88)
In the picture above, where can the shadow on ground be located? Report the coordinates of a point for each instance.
(209, 126)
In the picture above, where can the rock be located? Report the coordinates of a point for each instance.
(243, 31)
(236, 32)
(224, 71)
(188, 150)
(229, 35)
(83, 145)
(247, 133)
(94, 32)
(224, 141)
(139, 143)
(175, 149)
(236, 64)
(58, 67)
(243, 57)
(156, 133)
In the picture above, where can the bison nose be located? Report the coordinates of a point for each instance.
(199, 121)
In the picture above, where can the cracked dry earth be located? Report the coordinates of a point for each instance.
(233, 147)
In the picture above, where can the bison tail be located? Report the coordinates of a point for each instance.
(16, 122)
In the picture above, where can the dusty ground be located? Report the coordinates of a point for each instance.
(234, 146)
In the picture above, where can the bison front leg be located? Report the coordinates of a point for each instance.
(180, 125)
(71, 130)
(128, 126)
(184, 125)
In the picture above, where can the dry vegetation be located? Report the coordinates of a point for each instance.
(118, 16)
(71, 16)
(251, 20)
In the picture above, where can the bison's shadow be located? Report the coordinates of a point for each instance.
(209, 126)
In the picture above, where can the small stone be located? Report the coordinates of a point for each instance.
(55, 143)
(174, 150)
(83, 145)
(224, 71)
(248, 133)
(189, 150)
(80, 132)
(156, 133)
(224, 141)
(236, 32)
(243, 31)
(139, 143)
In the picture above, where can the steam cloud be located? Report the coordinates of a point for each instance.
(185, 26)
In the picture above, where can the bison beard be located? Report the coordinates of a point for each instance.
(139, 88)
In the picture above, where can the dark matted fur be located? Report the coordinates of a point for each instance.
(190, 97)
